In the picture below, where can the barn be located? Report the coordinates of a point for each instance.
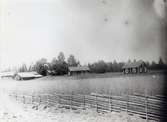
(78, 70)
(135, 67)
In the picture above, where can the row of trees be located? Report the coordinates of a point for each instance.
(59, 66)
(102, 67)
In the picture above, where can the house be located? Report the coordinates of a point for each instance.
(78, 70)
(26, 75)
(135, 67)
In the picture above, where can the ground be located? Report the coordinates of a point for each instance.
(11, 111)
(153, 84)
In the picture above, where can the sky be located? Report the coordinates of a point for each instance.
(92, 30)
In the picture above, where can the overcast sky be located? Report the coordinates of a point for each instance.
(89, 29)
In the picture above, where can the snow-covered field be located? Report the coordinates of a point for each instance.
(11, 111)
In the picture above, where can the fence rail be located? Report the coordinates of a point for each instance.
(148, 107)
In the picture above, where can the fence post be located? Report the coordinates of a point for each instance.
(127, 102)
(32, 101)
(71, 99)
(59, 102)
(16, 96)
(110, 102)
(47, 100)
(40, 99)
(71, 102)
(96, 103)
(24, 101)
(84, 101)
(146, 108)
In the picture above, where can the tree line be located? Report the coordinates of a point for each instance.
(59, 65)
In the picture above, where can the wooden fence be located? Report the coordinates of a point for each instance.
(147, 107)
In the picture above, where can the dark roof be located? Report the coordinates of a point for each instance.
(79, 68)
(133, 64)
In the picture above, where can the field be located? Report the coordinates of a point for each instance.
(115, 84)
(152, 84)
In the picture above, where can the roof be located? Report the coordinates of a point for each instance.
(79, 68)
(7, 74)
(133, 64)
(29, 74)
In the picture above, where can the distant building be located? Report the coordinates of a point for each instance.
(7, 74)
(78, 70)
(135, 67)
(26, 75)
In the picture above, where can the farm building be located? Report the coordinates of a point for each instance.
(7, 74)
(78, 70)
(26, 75)
(135, 67)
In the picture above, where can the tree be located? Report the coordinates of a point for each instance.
(109, 67)
(160, 61)
(120, 65)
(40, 66)
(61, 57)
(161, 64)
(129, 61)
(98, 67)
(153, 65)
(148, 64)
(158, 66)
(31, 67)
(72, 61)
(59, 66)
(115, 66)
(23, 68)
